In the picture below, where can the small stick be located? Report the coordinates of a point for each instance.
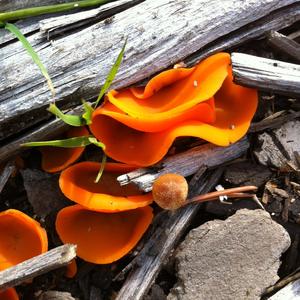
(226, 192)
(53, 259)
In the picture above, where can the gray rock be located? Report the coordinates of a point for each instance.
(233, 259)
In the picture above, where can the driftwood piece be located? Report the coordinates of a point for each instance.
(289, 292)
(284, 44)
(169, 227)
(53, 259)
(79, 61)
(186, 163)
(266, 74)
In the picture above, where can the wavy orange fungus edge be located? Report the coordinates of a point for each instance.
(102, 238)
(56, 159)
(21, 238)
(9, 294)
(126, 123)
(77, 184)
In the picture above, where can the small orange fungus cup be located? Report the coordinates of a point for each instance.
(139, 125)
(78, 184)
(9, 294)
(102, 238)
(55, 159)
(21, 238)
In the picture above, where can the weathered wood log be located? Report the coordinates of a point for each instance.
(53, 259)
(266, 74)
(79, 61)
(185, 163)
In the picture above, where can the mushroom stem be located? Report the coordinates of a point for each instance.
(230, 193)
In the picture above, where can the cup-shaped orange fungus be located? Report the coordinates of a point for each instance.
(9, 294)
(102, 238)
(21, 238)
(78, 184)
(138, 126)
(55, 159)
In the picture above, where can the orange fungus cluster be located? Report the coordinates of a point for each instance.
(138, 127)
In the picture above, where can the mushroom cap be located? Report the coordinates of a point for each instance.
(102, 238)
(21, 238)
(140, 130)
(78, 184)
(170, 191)
(56, 159)
(9, 294)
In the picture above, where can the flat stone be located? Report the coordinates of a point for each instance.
(233, 259)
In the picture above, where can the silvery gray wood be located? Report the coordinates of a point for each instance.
(48, 261)
(60, 24)
(276, 20)
(266, 74)
(185, 163)
(79, 61)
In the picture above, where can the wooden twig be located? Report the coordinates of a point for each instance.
(266, 74)
(161, 243)
(5, 173)
(53, 259)
(186, 163)
(274, 121)
(284, 44)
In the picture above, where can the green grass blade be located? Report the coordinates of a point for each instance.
(79, 141)
(94, 141)
(101, 168)
(72, 120)
(14, 30)
(111, 75)
(88, 112)
(47, 9)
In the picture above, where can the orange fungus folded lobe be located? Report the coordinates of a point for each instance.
(139, 126)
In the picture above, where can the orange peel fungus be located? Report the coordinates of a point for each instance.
(55, 159)
(21, 238)
(102, 238)
(78, 184)
(139, 125)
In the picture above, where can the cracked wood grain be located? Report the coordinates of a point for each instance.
(79, 61)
